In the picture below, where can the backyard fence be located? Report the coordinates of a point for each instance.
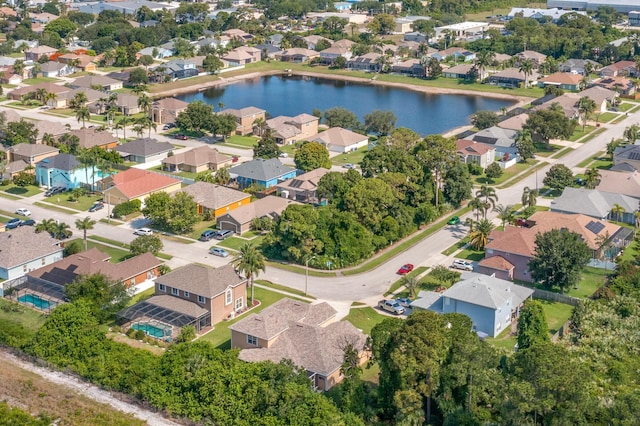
(555, 297)
(564, 328)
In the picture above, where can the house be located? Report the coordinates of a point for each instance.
(464, 72)
(35, 53)
(601, 96)
(624, 86)
(156, 52)
(7, 12)
(54, 69)
(96, 81)
(127, 103)
(568, 102)
(308, 335)
(242, 55)
(217, 42)
(17, 94)
(144, 150)
(620, 68)
(511, 77)
(516, 122)
(135, 184)
(63, 100)
(261, 172)
(328, 56)
(88, 138)
(194, 295)
(313, 40)
(297, 55)
(579, 66)
(536, 57)
(411, 67)
(42, 18)
(240, 220)
(621, 182)
(337, 139)
(24, 250)
(245, 118)
(542, 15)
(217, 199)
(30, 153)
(166, 110)
(491, 303)
(13, 169)
(82, 62)
(367, 62)
(178, 68)
(197, 160)
(303, 187)
(474, 152)
(562, 80)
(627, 154)
(237, 34)
(269, 51)
(622, 6)
(289, 130)
(457, 52)
(596, 204)
(64, 171)
(462, 30)
(503, 140)
(517, 245)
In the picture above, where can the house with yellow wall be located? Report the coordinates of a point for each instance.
(216, 198)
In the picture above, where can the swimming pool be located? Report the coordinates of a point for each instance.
(154, 331)
(36, 301)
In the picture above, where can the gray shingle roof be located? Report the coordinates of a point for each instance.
(591, 202)
(213, 196)
(489, 292)
(32, 149)
(261, 169)
(65, 162)
(144, 147)
(202, 280)
(22, 245)
(270, 206)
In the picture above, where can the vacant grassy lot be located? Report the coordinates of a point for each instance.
(364, 318)
(23, 191)
(82, 204)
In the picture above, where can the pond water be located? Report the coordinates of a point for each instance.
(283, 95)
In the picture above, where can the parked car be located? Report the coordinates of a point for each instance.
(462, 265)
(28, 222)
(208, 235)
(143, 231)
(453, 221)
(235, 159)
(348, 166)
(181, 137)
(169, 126)
(54, 190)
(217, 251)
(391, 306)
(284, 155)
(223, 235)
(97, 206)
(13, 224)
(405, 269)
(23, 212)
(405, 302)
(522, 222)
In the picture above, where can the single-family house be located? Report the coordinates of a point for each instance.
(17, 94)
(329, 55)
(414, 36)
(197, 160)
(458, 53)
(624, 86)
(261, 172)
(10, 77)
(96, 81)
(337, 139)
(245, 118)
(579, 66)
(464, 72)
(367, 62)
(303, 187)
(64, 171)
(620, 68)
(42, 18)
(503, 140)
(596, 204)
(289, 130)
(54, 69)
(491, 303)
(13, 169)
(178, 68)
(236, 58)
(93, 96)
(7, 12)
(313, 40)
(629, 154)
(297, 55)
(155, 52)
(517, 244)
(238, 34)
(195, 295)
(240, 220)
(562, 80)
(475, 152)
(626, 182)
(31, 153)
(308, 335)
(515, 122)
(568, 102)
(536, 57)
(78, 62)
(144, 150)
(88, 138)
(24, 250)
(411, 67)
(135, 184)
(35, 53)
(166, 110)
(512, 77)
(269, 51)
(217, 199)
(601, 96)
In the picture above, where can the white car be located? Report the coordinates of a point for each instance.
(348, 166)
(23, 212)
(284, 155)
(143, 231)
(462, 264)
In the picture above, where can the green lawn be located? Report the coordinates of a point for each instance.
(29, 319)
(141, 296)
(189, 175)
(283, 288)
(504, 340)
(457, 246)
(31, 81)
(619, 119)
(8, 214)
(624, 107)
(220, 336)
(400, 282)
(506, 175)
(234, 243)
(82, 204)
(471, 254)
(10, 197)
(117, 255)
(351, 157)
(364, 318)
(600, 160)
(24, 191)
(543, 151)
(578, 132)
(556, 314)
(199, 228)
(242, 141)
(608, 116)
(562, 152)
(124, 246)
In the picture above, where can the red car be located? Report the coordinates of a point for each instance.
(405, 269)
(181, 137)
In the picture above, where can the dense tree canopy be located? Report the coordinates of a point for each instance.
(312, 155)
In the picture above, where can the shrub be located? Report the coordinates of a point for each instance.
(73, 247)
(126, 208)
(139, 335)
(475, 169)
(131, 332)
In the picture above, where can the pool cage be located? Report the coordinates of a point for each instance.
(153, 328)
(38, 294)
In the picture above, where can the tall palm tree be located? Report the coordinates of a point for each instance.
(83, 114)
(84, 225)
(636, 214)
(51, 97)
(147, 123)
(483, 60)
(505, 213)
(617, 210)
(61, 231)
(591, 177)
(479, 237)
(477, 205)
(529, 197)
(526, 68)
(48, 139)
(45, 226)
(86, 159)
(489, 196)
(249, 261)
(144, 103)
(586, 107)
(40, 94)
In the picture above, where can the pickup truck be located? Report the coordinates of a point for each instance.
(391, 306)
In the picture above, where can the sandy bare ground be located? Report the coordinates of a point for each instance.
(65, 384)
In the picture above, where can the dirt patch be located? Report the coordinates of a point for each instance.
(116, 337)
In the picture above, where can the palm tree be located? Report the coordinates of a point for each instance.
(45, 226)
(144, 103)
(83, 114)
(122, 124)
(617, 210)
(479, 237)
(60, 231)
(529, 197)
(139, 89)
(84, 225)
(526, 68)
(250, 261)
(505, 214)
(490, 198)
(222, 176)
(74, 64)
(40, 94)
(85, 158)
(146, 122)
(586, 107)
(604, 243)
(477, 205)
(636, 214)
(591, 177)
(48, 139)
(483, 60)
(51, 97)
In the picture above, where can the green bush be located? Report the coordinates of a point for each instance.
(73, 247)
(126, 208)
(131, 332)
(139, 335)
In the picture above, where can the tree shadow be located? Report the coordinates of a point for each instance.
(17, 190)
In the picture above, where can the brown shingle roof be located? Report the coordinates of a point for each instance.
(497, 262)
(23, 244)
(177, 304)
(171, 104)
(562, 78)
(91, 137)
(32, 149)
(267, 206)
(202, 280)
(338, 136)
(198, 156)
(307, 181)
(213, 196)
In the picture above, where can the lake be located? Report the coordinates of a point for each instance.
(425, 113)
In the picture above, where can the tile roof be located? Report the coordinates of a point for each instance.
(338, 136)
(280, 316)
(198, 156)
(65, 162)
(516, 122)
(261, 169)
(489, 292)
(269, 206)
(562, 78)
(49, 87)
(202, 280)
(144, 147)
(23, 244)
(137, 182)
(213, 196)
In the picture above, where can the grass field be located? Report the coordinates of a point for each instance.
(23, 191)
(506, 175)
(241, 141)
(31, 81)
(608, 116)
(556, 314)
(364, 318)
(14, 313)
(578, 132)
(600, 160)
(400, 282)
(123, 246)
(471, 254)
(234, 243)
(351, 157)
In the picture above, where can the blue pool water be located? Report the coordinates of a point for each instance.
(152, 330)
(36, 301)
